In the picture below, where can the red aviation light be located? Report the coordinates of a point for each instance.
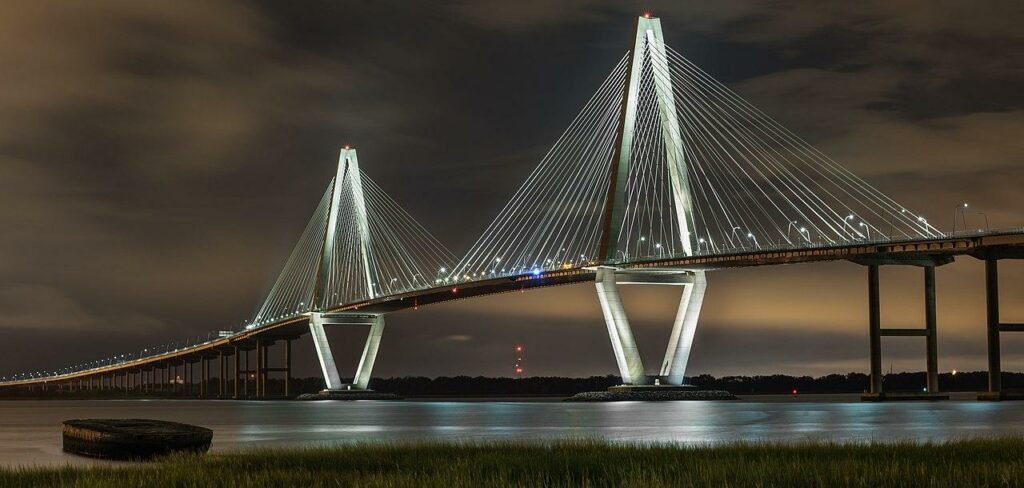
(647, 15)
(455, 290)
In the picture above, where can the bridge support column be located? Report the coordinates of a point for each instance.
(323, 352)
(875, 329)
(245, 374)
(222, 373)
(262, 368)
(288, 368)
(876, 390)
(259, 369)
(204, 375)
(995, 384)
(361, 380)
(627, 355)
(365, 368)
(931, 350)
(678, 353)
(237, 364)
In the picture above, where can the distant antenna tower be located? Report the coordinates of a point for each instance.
(519, 360)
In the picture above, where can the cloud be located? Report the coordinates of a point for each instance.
(45, 308)
(162, 159)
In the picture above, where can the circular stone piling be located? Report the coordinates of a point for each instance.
(348, 395)
(133, 438)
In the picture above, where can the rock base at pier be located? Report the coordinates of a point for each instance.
(648, 393)
(348, 395)
(903, 397)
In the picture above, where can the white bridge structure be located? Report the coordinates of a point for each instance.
(663, 176)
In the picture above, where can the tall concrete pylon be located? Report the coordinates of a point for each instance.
(347, 179)
(649, 46)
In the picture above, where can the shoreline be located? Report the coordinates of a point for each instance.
(955, 396)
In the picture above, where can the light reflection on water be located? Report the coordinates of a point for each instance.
(30, 430)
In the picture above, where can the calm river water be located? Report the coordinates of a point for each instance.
(30, 430)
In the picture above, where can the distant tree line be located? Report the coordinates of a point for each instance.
(470, 386)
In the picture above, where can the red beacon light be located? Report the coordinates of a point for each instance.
(647, 15)
(455, 290)
(794, 392)
(348, 146)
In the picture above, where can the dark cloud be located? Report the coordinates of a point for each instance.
(157, 162)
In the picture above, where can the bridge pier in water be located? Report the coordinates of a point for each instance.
(876, 389)
(627, 355)
(994, 326)
(361, 380)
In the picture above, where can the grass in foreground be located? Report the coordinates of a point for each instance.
(997, 462)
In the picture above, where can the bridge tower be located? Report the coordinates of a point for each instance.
(648, 47)
(347, 181)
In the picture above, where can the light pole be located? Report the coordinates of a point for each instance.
(750, 235)
(806, 234)
(963, 213)
(983, 214)
(734, 234)
(792, 225)
(867, 230)
(848, 220)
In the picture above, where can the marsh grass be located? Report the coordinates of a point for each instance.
(981, 462)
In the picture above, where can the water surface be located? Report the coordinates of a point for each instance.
(30, 430)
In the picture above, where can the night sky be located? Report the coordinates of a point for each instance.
(159, 159)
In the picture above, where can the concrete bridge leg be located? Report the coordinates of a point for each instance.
(288, 368)
(875, 329)
(876, 391)
(238, 360)
(678, 353)
(323, 352)
(221, 374)
(362, 377)
(931, 349)
(627, 356)
(995, 383)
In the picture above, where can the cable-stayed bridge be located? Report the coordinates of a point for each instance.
(665, 174)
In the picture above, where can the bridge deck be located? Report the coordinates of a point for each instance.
(923, 252)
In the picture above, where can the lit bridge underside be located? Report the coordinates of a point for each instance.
(663, 176)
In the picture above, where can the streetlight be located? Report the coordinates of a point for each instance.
(848, 220)
(750, 235)
(963, 213)
(792, 225)
(806, 234)
(867, 230)
(983, 214)
(924, 225)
